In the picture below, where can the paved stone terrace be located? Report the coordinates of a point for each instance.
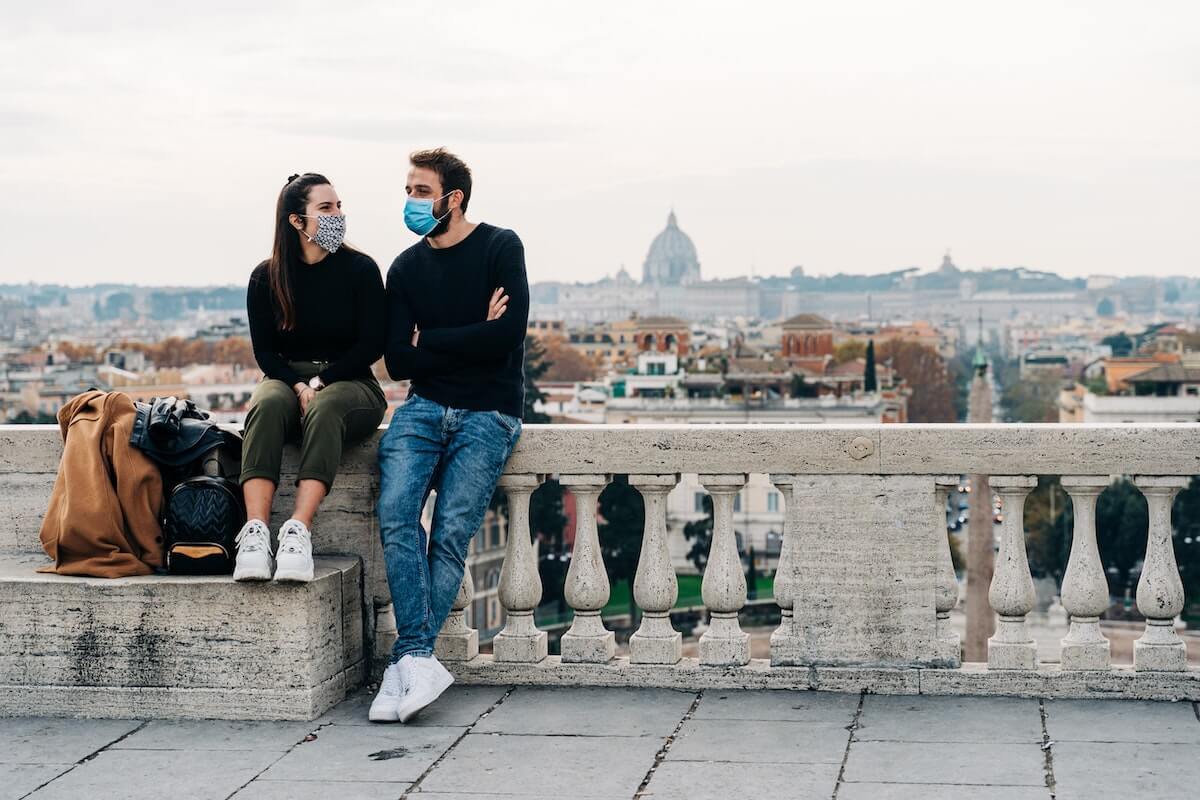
(501, 742)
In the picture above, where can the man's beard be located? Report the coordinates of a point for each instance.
(444, 225)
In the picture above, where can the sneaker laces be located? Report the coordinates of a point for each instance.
(295, 538)
(254, 537)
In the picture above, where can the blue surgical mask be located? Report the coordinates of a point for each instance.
(418, 215)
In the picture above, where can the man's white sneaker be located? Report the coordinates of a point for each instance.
(294, 553)
(428, 679)
(386, 705)
(254, 562)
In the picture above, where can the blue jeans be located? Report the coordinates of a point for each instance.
(461, 454)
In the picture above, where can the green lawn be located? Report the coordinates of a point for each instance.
(689, 596)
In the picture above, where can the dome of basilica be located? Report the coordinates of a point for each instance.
(672, 258)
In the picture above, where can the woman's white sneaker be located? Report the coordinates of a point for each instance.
(293, 556)
(254, 562)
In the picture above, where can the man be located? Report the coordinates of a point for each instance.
(458, 305)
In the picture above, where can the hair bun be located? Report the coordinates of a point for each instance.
(291, 178)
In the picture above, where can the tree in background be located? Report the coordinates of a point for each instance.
(1105, 308)
(870, 382)
(78, 353)
(1122, 345)
(699, 533)
(26, 417)
(1122, 521)
(849, 351)
(1031, 399)
(623, 515)
(1186, 516)
(924, 370)
(565, 362)
(1048, 520)
(536, 366)
(801, 387)
(546, 516)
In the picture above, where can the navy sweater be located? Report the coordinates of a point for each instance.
(461, 360)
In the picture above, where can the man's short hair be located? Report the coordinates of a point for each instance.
(451, 170)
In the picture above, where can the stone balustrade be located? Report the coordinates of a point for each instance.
(864, 582)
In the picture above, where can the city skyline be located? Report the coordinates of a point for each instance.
(857, 139)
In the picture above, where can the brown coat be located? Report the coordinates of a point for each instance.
(103, 519)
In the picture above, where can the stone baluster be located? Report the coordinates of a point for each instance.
(655, 588)
(456, 641)
(1011, 594)
(520, 583)
(786, 640)
(949, 647)
(1160, 590)
(724, 584)
(587, 588)
(1084, 587)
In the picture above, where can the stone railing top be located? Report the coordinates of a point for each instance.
(996, 449)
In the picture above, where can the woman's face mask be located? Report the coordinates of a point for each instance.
(331, 231)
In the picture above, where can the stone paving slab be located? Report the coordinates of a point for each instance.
(321, 790)
(381, 753)
(949, 719)
(589, 712)
(778, 705)
(155, 774)
(30, 740)
(754, 742)
(546, 766)
(18, 780)
(1094, 770)
(1122, 721)
(698, 780)
(492, 796)
(966, 763)
(458, 706)
(216, 735)
(937, 791)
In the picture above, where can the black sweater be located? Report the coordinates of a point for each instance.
(340, 318)
(461, 360)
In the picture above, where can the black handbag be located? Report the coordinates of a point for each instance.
(201, 521)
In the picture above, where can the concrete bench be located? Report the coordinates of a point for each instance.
(183, 647)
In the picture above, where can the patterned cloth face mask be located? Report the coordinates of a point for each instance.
(331, 231)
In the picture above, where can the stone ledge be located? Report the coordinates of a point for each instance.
(176, 646)
(160, 702)
(972, 679)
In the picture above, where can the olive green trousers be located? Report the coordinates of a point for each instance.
(342, 413)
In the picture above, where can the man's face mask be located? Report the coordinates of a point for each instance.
(418, 215)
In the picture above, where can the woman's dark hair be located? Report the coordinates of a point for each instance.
(285, 251)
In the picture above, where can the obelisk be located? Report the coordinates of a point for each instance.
(981, 620)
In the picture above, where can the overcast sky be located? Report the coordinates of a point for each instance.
(146, 140)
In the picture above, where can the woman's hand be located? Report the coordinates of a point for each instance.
(497, 305)
(416, 337)
(306, 397)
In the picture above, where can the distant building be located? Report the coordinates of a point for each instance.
(672, 259)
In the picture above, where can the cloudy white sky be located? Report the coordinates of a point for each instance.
(146, 140)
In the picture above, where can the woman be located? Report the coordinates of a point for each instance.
(317, 324)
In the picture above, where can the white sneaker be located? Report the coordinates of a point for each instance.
(294, 553)
(386, 705)
(428, 680)
(254, 562)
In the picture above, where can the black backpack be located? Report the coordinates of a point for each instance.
(201, 520)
